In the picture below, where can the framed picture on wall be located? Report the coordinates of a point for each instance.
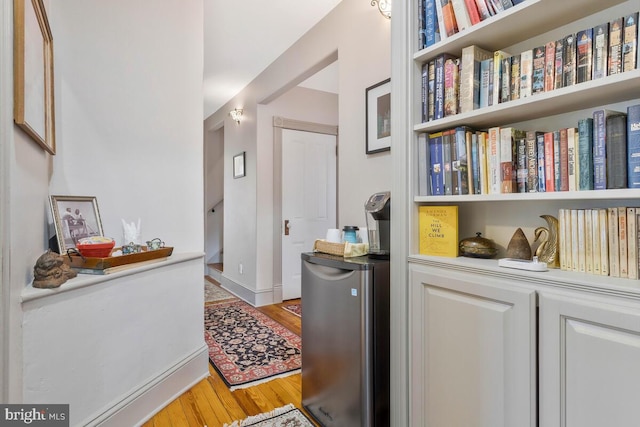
(238, 165)
(33, 107)
(74, 218)
(378, 117)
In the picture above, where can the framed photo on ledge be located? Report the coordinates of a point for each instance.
(238, 165)
(74, 218)
(378, 117)
(33, 106)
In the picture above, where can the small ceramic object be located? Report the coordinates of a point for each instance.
(131, 248)
(519, 247)
(548, 237)
(155, 244)
(51, 271)
(477, 247)
(350, 233)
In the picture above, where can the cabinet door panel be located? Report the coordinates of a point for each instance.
(473, 351)
(589, 370)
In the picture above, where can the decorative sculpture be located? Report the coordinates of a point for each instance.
(547, 250)
(519, 247)
(50, 271)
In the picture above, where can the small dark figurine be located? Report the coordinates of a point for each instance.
(50, 271)
(519, 247)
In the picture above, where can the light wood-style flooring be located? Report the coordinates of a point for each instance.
(210, 403)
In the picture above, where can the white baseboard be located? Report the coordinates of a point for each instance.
(143, 403)
(255, 298)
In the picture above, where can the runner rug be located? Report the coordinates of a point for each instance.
(213, 292)
(247, 347)
(295, 308)
(287, 416)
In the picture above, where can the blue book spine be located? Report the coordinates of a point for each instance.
(633, 146)
(556, 160)
(432, 31)
(422, 31)
(542, 186)
(585, 153)
(436, 171)
(599, 151)
(475, 163)
(446, 161)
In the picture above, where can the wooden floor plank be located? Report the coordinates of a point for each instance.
(211, 403)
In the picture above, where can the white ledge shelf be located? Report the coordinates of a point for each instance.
(553, 278)
(621, 194)
(84, 280)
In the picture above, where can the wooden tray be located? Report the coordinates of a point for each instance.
(100, 265)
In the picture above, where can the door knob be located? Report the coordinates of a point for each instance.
(287, 226)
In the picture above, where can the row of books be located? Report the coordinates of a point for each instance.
(602, 152)
(602, 241)
(480, 78)
(439, 19)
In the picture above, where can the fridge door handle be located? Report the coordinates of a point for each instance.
(329, 273)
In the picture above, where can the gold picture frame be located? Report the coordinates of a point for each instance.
(74, 218)
(33, 73)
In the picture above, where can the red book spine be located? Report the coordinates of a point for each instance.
(450, 24)
(549, 173)
(472, 8)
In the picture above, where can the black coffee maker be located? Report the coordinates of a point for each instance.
(378, 212)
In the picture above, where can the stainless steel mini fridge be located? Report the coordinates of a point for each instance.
(345, 340)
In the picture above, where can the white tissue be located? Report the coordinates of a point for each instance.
(131, 233)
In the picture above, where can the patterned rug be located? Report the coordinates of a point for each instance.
(295, 308)
(287, 416)
(247, 347)
(213, 292)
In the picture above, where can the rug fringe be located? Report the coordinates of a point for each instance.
(261, 417)
(264, 380)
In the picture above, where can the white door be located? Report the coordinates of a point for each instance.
(308, 199)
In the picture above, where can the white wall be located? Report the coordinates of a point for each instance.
(128, 94)
(359, 37)
(214, 193)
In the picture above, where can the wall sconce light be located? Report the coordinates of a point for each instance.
(236, 114)
(384, 6)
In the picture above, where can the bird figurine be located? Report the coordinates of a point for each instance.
(547, 237)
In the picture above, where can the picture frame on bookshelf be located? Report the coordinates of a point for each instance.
(33, 73)
(238, 165)
(378, 117)
(75, 217)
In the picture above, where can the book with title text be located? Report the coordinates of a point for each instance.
(438, 227)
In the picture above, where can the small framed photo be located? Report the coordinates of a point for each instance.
(75, 217)
(33, 73)
(378, 114)
(238, 165)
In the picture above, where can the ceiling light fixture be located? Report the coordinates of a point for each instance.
(236, 114)
(384, 6)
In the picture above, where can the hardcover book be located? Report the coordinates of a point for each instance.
(564, 159)
(463, 20)
(483, 9)
(440, 19)
(522, 171)
(615, 46)
(630, 42)
(549, 66)
(537, 73)
(505, 84)
(632, 243)
(526, 70)
(623, 242)
(447, 141)
(633, 146)
(559, 65)
(614, 242)
(432, 30)
(494, 161)
(572, 164)
(549, 162)
(470, 61)
(424, 92)
(486, 71)
(604, 241)
(569, 61)
(436, 167)
(515, 77)
(588, 241)
(616, 148)
(600, 147)
(438, 230)
(475, 164)
(460, 166)
(562, 238)
(600, 50)
(542, 186)
(451, 85)
(585, 154)
(431, 92)
(532, 160)
(474, 14)
(584, 52)
(449, 18)
(484, 163)
(581, 242)
(575, 247)
(421, 24)
(595, 237)
(508, 161)
(498, 57)
(439, 102)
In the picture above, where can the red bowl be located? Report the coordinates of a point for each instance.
(95, 250)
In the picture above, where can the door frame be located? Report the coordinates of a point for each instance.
(280, 123)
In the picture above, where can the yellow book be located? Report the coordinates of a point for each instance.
(438, 230)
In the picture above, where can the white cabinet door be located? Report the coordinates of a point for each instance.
(589, 362)
(472, 350)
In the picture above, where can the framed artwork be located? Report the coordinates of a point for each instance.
(75, 217)
(238, 165)
(378, 117)
(33, 108)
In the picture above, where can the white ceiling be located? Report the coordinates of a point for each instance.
(242, 37)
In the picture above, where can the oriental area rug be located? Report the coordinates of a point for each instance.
(295, 308)
(247, 347)
(287, 416)
(213, 293)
